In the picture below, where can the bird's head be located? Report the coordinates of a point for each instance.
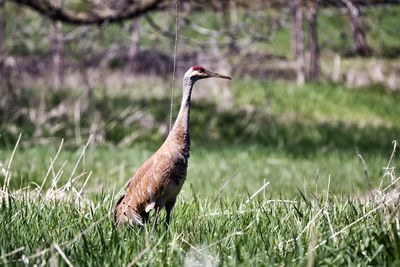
(198, 72)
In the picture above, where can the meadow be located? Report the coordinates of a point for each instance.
(283, 175)
(278, 175)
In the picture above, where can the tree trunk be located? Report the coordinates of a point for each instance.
(58, 50)
(222, 8)
(134, 47)
(313, 70)
(234, 12)
(361, 46)
(2, 40)
(298, 40)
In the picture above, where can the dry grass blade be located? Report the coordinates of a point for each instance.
(258, 191)
(51, 167)
(62, 254)
(388, 169)
(11, 253)
(69, 183)
(8, 174)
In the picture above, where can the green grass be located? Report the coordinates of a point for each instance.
(241, 231)
(303, 141)
(243, 168)
(288, 135)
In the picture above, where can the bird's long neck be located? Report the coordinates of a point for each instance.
(180, 131)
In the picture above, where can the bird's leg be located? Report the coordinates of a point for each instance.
(168, 207)
(146, 217)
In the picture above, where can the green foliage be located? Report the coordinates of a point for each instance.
(383, 30)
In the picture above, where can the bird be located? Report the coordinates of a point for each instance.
(156, 184)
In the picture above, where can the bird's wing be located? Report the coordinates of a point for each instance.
(146, 187)
(127, 206)
(149, 180)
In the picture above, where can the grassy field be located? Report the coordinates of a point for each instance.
(278, 174)
(273, 179)
(322, 230)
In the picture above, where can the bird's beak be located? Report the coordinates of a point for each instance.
(210, 74)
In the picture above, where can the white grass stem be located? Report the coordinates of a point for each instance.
(56, 178)
(51, 167)
(62, 254)
(76, 178)
(387, 168)
(80, 234)
(327, 191)
(11, 253)
(84, 184)
(330, 225)
(8, 174)
(349, 226)
(69, 183)
(309, 224)
(258, 191)
(355, 222)
(391, 184)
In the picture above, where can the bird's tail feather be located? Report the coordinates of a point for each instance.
(117, 208)
(125, 214)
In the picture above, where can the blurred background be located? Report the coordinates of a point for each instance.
(314, 97)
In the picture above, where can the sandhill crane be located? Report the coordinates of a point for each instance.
(157, 182)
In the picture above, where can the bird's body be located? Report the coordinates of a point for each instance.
(156, 184)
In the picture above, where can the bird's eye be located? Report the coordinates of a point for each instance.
(201, 70)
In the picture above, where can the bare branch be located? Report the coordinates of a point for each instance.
(97, 15)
